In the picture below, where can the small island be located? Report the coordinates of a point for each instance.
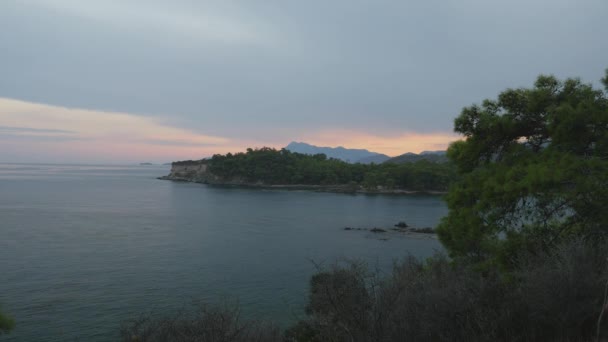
(282, 169)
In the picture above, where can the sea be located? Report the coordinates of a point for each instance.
(86, 248)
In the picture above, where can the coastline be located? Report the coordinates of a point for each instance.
(345, 189)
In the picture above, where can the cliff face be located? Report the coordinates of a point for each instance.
(195, 171)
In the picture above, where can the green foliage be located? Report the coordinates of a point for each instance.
(268, 166)
(555, 295)
(6, 324)
(533, 170)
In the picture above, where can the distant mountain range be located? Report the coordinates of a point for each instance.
(432, 156)
(346, 154)
(364, 156)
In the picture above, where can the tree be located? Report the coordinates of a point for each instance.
(533, 168)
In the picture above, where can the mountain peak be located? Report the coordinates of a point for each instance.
(346, 154)
(409, 157)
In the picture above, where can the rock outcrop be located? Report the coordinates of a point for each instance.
(197, 171)
(190, 171)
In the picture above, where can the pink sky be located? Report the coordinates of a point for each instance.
(31, 132)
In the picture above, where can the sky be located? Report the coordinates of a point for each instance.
(128, 81)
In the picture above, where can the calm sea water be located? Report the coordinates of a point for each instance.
(83, 248)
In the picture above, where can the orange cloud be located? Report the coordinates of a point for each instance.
(69, 133)
(391, 145)
(42, 133)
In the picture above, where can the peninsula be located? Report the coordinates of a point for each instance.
(282, 169)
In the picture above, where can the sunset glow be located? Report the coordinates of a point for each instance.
(389, 145)
(45, 133)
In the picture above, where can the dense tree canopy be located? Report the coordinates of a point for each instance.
(269, 166)
(534, 170)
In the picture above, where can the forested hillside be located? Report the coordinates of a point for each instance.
(270, 166)
(350, 155)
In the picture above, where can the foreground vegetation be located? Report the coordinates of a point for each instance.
(534, 172)
(269, 166)
(552, 296)
(526, 233)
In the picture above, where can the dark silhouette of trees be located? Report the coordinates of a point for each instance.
(269, 166)
(533, 171)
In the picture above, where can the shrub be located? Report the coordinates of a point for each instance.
(560, 292)
(556, 295)
(205, 324)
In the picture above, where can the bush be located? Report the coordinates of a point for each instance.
(341, 302)
(560, 292)
(205, 324)
(552, 296)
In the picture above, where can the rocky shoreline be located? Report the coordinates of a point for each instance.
(346, 189)
(197, 172)
(400, 228)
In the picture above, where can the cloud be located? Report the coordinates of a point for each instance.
(178, 143)
(25, 138)
(209, 24)
(391, 145)
(378, 66)
(48, 133)
(16, 130)
(102, 135)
